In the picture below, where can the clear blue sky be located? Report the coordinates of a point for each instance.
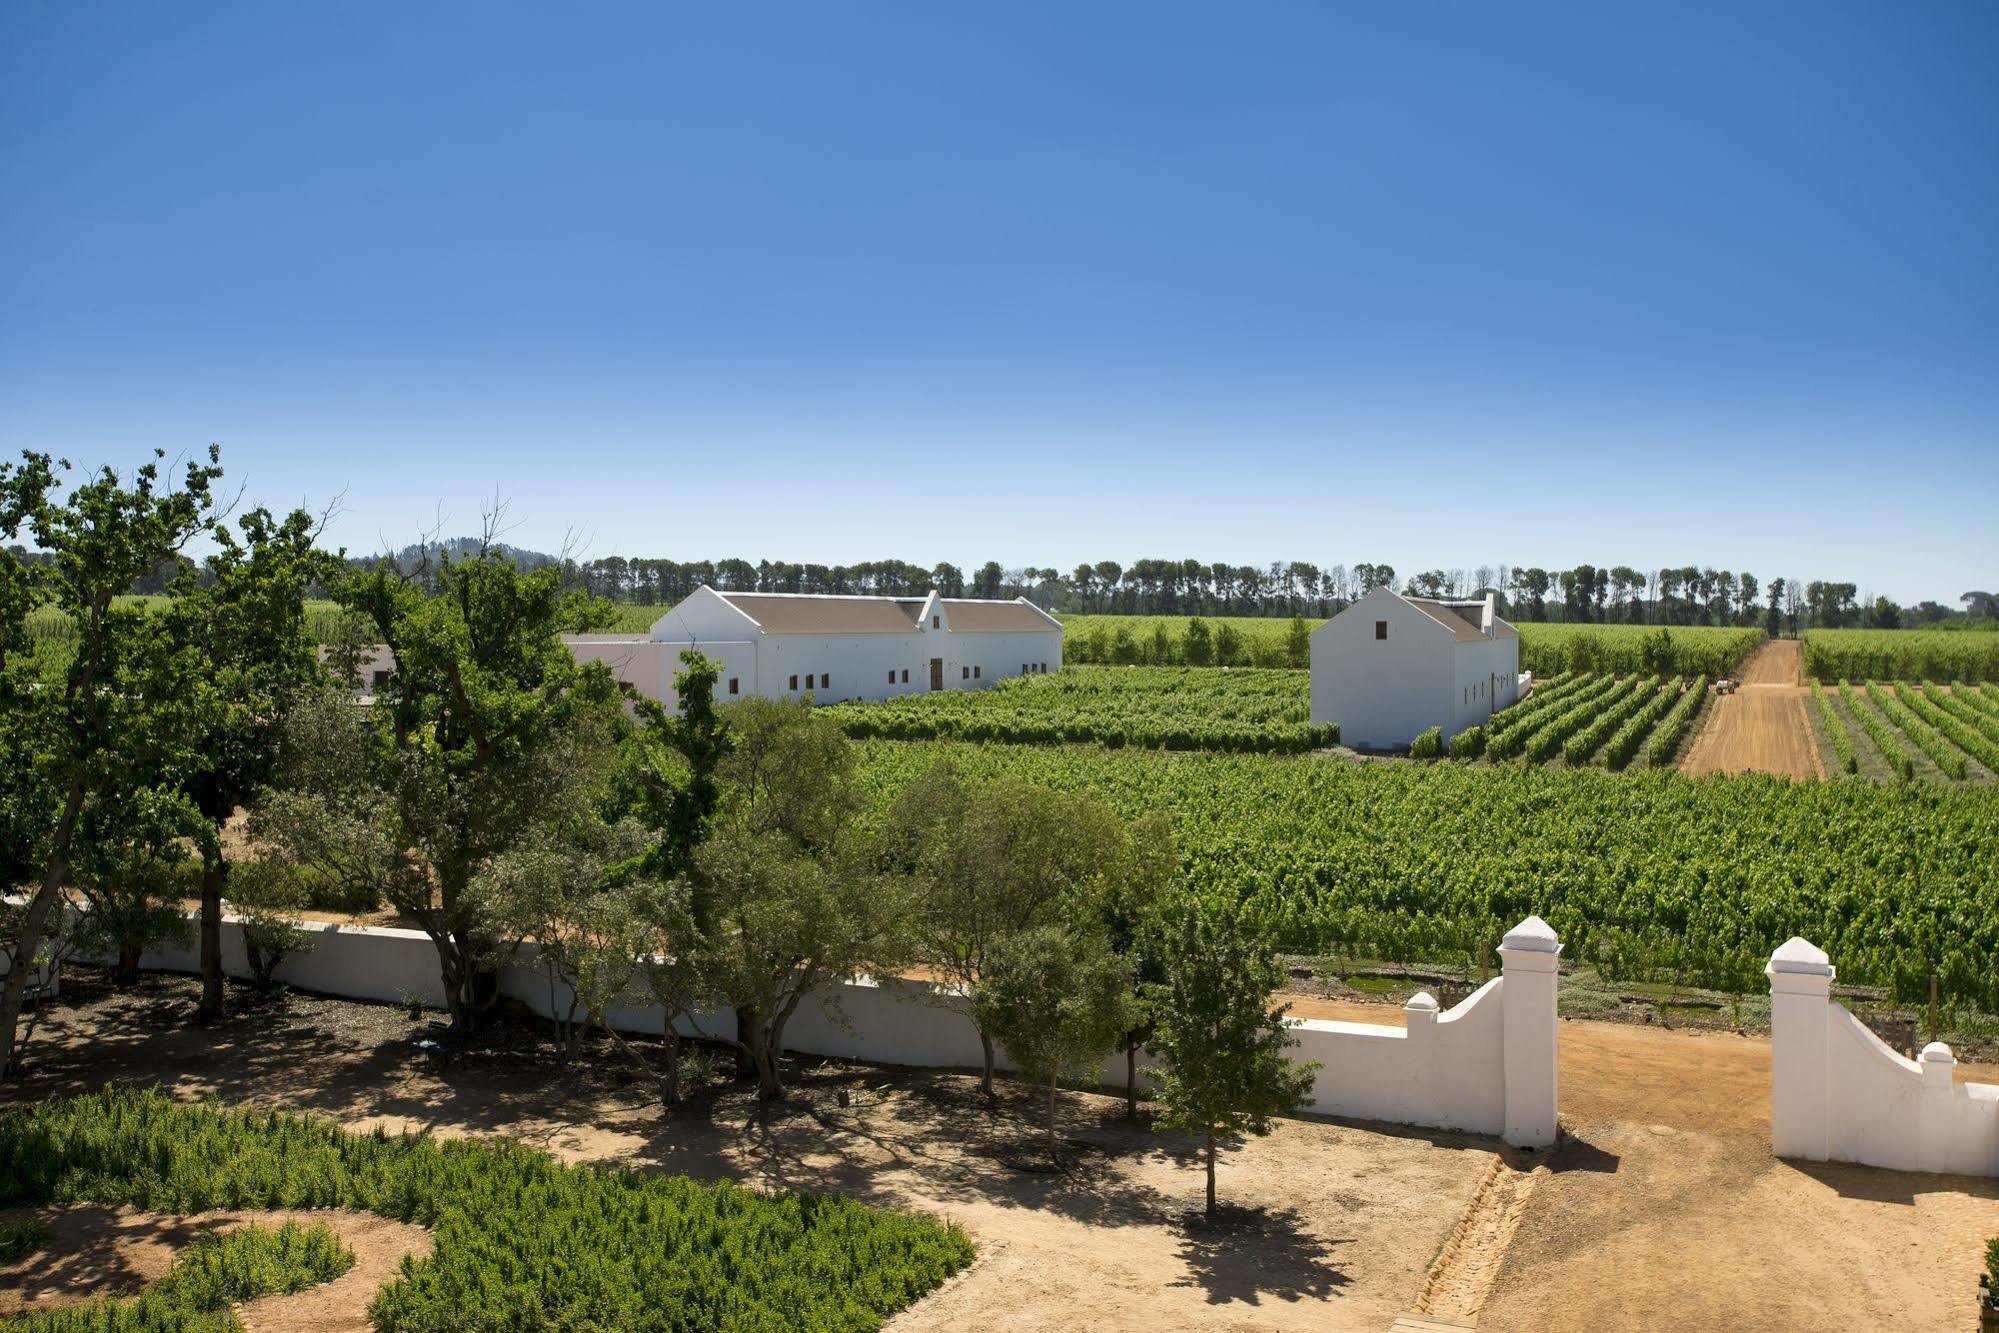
(1436, 284)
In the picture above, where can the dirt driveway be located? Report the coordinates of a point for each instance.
(1763, 726)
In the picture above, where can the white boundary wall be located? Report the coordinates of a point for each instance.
(1839, 1093)
(1485, 1067)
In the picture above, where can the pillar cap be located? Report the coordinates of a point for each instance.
(1800, 957)
(1938, 1054)
(1532, 936)
(1422, 1002)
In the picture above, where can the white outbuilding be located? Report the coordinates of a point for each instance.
(1389, 667)
(785, 645)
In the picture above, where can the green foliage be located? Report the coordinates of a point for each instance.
(1370, 860)
(1221, 1042)
(1428, 744)
(1468, 744)
(1673, 728)
(1058, 1000)
(267, 899)
(1168, 708)
(216, 1271)
(1894, 706)
(1631, 733)
(1835, 730)
(1900, 654)
(21, 1237)
(1578, 748)
(1935, 708)
(1893, 747)
(1634, 649)
(522, 1240)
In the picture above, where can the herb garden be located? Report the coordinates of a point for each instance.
(522, 1241)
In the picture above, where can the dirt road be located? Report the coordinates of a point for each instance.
(1762, 727)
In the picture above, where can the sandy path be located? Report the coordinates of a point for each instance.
(94, 1250)
(1763, 726)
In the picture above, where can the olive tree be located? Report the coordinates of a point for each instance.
(991, 860)
(1057, 1000)
(785, 886)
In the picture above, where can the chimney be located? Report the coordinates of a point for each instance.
(1490, 615)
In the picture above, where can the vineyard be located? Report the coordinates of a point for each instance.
(1898, 731)
(1901, 654)
(1645, 876)
(1171, 708)
(1583, 719)
(523, 1241)
(1545, 650)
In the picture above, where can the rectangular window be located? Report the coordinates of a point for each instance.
(891, 678)
(936, 622)
(964, 673)
(975, 673)
(794, 684)
(381, 681)
(1023, 668)
(825, 680)
(905, 675)
(732, 685)
(1380, 629)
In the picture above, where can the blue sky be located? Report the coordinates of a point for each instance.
(1440, 284)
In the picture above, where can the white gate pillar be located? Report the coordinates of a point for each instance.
(1530, 960)
(1800, 1008)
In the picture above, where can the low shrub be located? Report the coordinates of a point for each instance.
(1468, 744)
(217, 1271)
(20, 1237)
(523, 1241)
(1428, 745)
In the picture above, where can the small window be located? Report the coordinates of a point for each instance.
(964, 673)
(1023, 668)
(732, 685)
(1380, 629)
(381, 681)
(891, 678)
(905, 675)
(794, 684)
(936, 622)
(1467, 697)
(975, 673)
(824, 680)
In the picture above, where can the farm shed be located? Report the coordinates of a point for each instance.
(783, 645)
(1389, 667)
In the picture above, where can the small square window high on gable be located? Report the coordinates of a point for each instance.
(936, 622)
(1380, 629)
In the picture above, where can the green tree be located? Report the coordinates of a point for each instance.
(785, 884)
(123, 711)
(1197, 645)
(1057, 999)
(990, 861)
(1298, 643)
(489, 732)
(1221, 1042)
(246, 623)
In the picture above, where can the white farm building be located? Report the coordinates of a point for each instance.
(1389, 667)
(784, 645)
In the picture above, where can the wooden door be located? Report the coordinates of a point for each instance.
(936, 673)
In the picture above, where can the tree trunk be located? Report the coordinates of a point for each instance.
(770, 1083)
(746, 1059)
(669, 1085)
(1131, 1081)
(1051, 1116)
(34, 926)
(126, 973)
(1211, 1172)
(986, 1070)
(214, 872)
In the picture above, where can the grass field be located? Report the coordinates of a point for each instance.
(1901, 654)
(1171, 708)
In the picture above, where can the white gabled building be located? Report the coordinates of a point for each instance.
(1389, 667)
(784, 645)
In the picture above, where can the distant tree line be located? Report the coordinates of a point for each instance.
(1593, 594)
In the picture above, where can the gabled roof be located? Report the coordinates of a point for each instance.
(826, 613)
(1452, 616)
(975, 616)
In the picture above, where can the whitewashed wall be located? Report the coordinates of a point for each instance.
(1839, 1093)
(1485, 1067)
